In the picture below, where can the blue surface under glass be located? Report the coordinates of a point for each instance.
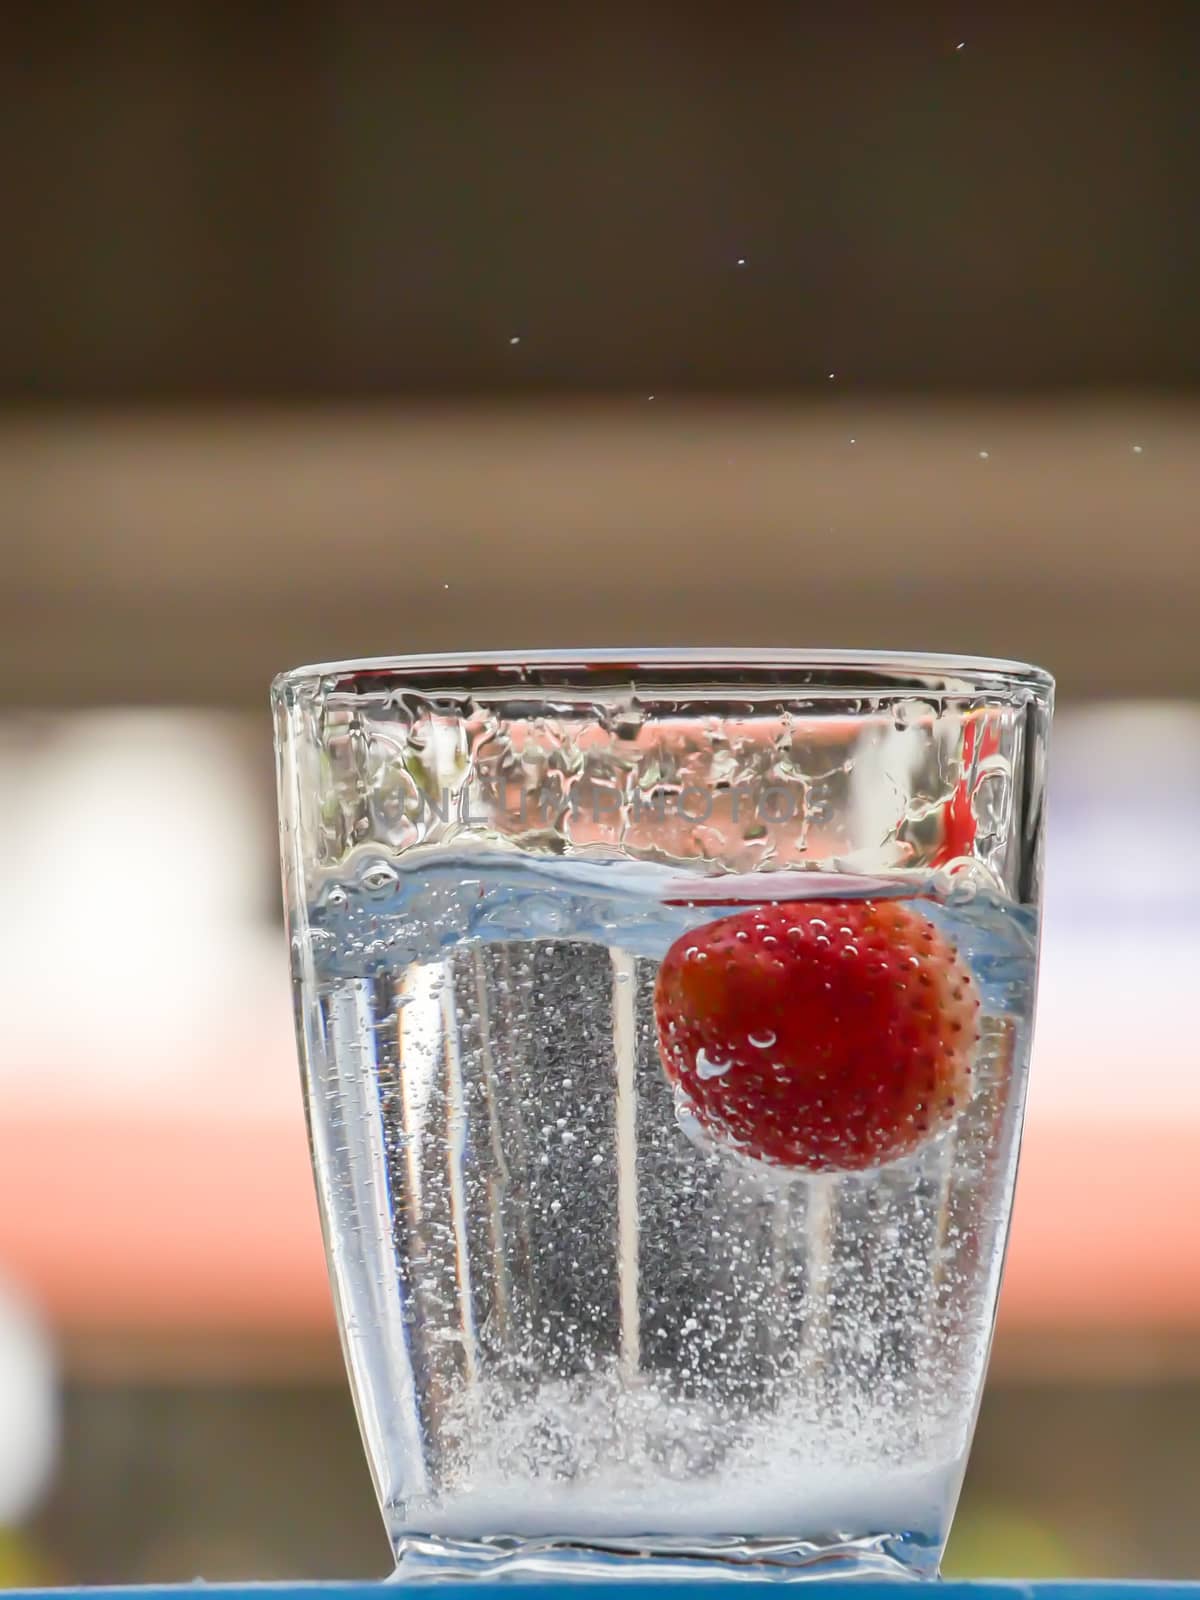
(831, 1589)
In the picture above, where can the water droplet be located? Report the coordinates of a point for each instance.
(831, 376)
(1137, 449)
(961, 45)
(763, 1040)
(741, 261)
(516, 339)
(710, 1069)
(985, 455)
(854, 441)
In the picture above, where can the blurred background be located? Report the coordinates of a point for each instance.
(350, 329)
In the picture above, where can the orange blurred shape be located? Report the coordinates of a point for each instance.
(199, 1224)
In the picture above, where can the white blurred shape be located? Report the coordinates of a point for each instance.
(1116, 1038)
(138, 975)
(133, 951)
(143, 814)
(1125, 809)
(28, 1408)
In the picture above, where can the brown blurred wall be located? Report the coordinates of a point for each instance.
(356, 328)
(220, 201)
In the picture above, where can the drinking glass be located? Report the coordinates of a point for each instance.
(664, 1020)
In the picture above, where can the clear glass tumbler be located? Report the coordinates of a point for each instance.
(665, 1019)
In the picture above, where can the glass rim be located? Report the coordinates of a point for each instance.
(908, 669)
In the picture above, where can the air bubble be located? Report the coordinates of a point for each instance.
(379, 877)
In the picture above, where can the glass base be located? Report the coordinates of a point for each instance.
(887, 1555)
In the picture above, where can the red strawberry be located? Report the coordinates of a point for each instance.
(827, 1035)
